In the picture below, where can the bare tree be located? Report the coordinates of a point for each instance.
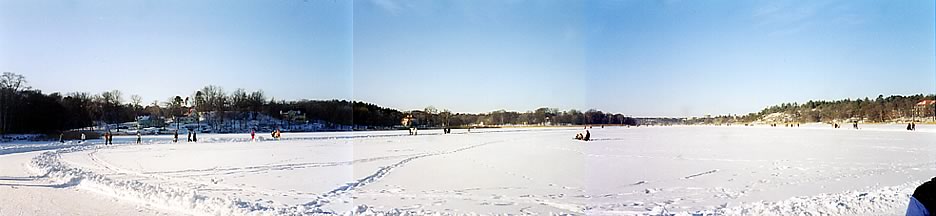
(136, 100)
(10, 86)
(216, 100)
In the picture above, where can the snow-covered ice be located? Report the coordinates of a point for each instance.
(705, 170)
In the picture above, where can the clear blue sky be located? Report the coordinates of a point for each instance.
(718, 57)
(642, 58)
(158, 49)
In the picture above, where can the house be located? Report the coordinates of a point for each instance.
(150, 121)
(924, 108)
(293, 116)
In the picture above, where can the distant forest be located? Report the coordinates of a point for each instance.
(27, 110)
(880, 109)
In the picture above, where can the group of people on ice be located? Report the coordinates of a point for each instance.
(108, 138)
(275, 134)
(175, 137)
(837, 125)
(584, 137)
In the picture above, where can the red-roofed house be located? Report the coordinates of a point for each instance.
(923, 109)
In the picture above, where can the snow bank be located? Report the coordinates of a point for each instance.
(20, 147)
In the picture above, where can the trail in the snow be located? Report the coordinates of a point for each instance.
(251, 169)
(380, 173)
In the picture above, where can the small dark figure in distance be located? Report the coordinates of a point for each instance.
(139, 137)
(194, 137)
(62, 137)
(587, 136)
(909, 126)
(175, 137)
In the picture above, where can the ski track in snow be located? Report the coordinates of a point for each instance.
(380, 173)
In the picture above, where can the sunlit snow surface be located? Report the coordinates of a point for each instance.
(638, 170)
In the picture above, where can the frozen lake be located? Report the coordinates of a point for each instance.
(636, 170)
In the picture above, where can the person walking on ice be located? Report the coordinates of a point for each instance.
(139, 137)
(253, 135)
(175, 137)
(83, 137)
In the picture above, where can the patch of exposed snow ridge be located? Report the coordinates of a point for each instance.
(186, 200)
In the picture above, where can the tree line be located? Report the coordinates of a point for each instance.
(879, 109)
(27, 110)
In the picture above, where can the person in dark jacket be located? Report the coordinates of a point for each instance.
(923, 201)
(587, 136)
